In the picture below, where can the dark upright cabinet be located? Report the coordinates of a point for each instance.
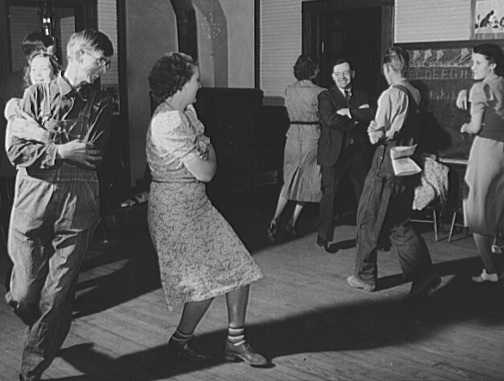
(232, 119)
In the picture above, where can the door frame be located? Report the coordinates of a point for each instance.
(313, 13)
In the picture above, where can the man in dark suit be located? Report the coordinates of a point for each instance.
(343, 146)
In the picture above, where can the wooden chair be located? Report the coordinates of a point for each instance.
(457, 214)
(457, 191)
(432, 214)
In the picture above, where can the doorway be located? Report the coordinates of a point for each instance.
(353, 34)
(359, 33)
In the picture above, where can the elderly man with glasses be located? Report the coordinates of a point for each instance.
(56, 144)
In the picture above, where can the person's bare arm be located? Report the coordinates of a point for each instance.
(203, 166)
(462, 100)
(474, 126)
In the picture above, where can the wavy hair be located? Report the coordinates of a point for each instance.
(36, 41)
(53, 61)
(305, 67)
(169, 74)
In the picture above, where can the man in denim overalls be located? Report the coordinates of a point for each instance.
(387, 200)
(56, 204)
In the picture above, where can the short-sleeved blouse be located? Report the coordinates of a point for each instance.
(487, 97)
(174, 138)
(484, 203)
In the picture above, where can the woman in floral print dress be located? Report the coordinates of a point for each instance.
(200, 256)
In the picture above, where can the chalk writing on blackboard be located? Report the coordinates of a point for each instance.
(440, 74)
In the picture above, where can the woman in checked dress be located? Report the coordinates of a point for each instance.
(301, 172)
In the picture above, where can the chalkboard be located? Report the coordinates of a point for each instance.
(440, 74)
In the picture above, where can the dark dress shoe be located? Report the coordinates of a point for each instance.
(190, 350)
(245, 353)
(321, 242)
(421, 287)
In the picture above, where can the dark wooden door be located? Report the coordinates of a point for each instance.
(354, 34)
(359, 30)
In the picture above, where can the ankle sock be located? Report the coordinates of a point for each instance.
(180, 337)
(236, 336)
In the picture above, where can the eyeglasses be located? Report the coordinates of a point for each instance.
(342, 74)
(101, 61)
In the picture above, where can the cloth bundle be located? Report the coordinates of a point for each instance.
(434, 183)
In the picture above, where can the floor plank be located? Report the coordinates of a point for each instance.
(302, 315)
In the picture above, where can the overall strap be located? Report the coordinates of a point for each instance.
(410, 131)
(85, 113)
(45, 110)
(403, 88)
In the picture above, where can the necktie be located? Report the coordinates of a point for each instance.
(348, 95)
(348, 136)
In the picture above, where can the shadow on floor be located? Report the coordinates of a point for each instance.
(342, 327)
(352, 326)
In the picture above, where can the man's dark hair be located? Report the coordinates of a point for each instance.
(397, 58)
(340, 61)
(35, 42)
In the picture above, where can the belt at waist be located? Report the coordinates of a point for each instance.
(299, 122)
(178, 180)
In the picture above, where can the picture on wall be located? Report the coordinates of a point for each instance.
(487, 19)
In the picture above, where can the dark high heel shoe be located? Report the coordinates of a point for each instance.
(190, 350)
(272, 231)
(244, 352)
(290, 232)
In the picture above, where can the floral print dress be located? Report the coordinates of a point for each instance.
(200, 255)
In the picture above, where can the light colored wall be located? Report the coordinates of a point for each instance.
(281, 44)
(226, 42)
(226, 54)
(432, 20)
(240, 17)
(150, 31)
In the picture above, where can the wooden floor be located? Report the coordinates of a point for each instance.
(302, 315)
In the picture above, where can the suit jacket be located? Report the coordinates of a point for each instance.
(334, 126)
